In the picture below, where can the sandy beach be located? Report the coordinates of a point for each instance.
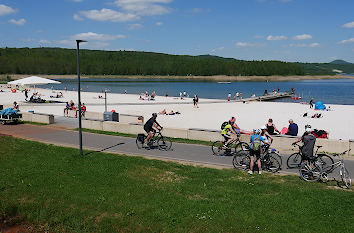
(339, 122)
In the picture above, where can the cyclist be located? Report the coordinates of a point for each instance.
(256, 150)
(225, 133)
(149, 127)
(309, 140)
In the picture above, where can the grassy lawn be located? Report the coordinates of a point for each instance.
(52, 188)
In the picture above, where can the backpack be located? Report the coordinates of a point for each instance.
(224, 124)
(256, 143)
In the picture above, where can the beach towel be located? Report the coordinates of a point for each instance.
(320, 133)
(284, 130)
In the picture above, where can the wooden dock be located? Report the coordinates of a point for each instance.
(269, 97)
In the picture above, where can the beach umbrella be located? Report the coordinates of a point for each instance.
(33, 80)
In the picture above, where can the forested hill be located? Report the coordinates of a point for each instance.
(93, 62)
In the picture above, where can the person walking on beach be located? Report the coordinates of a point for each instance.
(237, 95)
(311, 103)
(195, 101)
(229, 97)
(26, 94)
(241, 95)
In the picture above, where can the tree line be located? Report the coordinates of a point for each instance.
(97, 62)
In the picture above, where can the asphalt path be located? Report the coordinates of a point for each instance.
(180, 152)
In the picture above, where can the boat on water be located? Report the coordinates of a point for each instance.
(224, 82)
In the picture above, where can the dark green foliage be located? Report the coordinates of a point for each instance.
(327, 68)
(94, 62)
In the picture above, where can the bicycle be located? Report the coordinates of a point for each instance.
(323, 175)
(156, 141)
(295, 160)
(219, 147)
(270, 159)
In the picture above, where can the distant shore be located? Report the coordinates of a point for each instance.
(216, 78)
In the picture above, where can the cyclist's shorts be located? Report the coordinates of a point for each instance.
(256, 153)
(147, 129)
(237, 131)
(226, 136)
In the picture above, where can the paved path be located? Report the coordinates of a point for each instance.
(185, 153)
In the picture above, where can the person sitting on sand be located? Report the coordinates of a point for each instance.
(16, 107)
(141, 98)
(292, 129)
(163, 112)
(59, 95)
(71, 105)
(83, 110)
(66, 109)
(271, 127)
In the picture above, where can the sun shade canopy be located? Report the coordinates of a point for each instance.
(33, 80)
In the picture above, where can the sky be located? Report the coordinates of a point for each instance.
(286, 30)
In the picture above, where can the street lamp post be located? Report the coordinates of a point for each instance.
(79, 92)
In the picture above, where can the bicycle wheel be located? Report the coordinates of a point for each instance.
(294, 160)
(218, 148)
(326, 162)
(241, 146)
(241, 160)
(344, 175)
(272, 164)
(309, 173)
(277, 157)
(139, 143)
(164, 143)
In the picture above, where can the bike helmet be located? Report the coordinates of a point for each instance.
(154, 114)
(309, 130)
(257, 131)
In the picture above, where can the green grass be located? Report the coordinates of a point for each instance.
(32, 123)
(179, 140)
(53, 188)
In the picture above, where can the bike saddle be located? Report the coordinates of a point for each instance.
(319, 146)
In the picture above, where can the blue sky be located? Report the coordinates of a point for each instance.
(287, 30)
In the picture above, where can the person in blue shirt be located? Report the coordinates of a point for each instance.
(292, 129)
(256, 150)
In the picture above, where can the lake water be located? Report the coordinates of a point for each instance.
(339, 91)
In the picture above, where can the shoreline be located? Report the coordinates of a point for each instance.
(215, 78)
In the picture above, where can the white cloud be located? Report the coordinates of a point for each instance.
(349, 25)
(302, 37)
(351, 40)
(95, 36)
(77, 17)
(159, 24)
(312, 45)
(270, 37)
(135, 26)
(218, 49)
(19, 22)
(247, 44)
(6, 10)
(144, 7)
(106, 15)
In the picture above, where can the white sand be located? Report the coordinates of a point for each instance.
(339, 122)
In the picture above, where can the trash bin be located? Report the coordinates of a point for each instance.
(110, 116)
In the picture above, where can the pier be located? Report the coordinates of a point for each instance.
(269, 97)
